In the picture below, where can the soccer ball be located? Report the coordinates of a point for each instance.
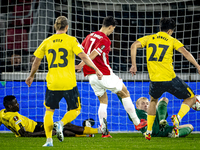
(196, 106)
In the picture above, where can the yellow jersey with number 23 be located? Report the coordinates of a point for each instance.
(60, 50)
(159, 53)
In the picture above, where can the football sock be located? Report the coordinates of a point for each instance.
(102, 112)
(49, 140)
(130, 109)
(70, 116)
(162, 110)
(150, 121)
(183, 111)
(184, 131)
(48, 123)
(77, 135)
(89, 130)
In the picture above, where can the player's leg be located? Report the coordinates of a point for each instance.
(151, 115)
(185, 106)
(125, 98)
(100, 91)
(51, 103)
(81, 130)
(185, 130)
(182, 91)
(156, 89)
(48, 126)
(102, 112)
(162, 111)
(72, 98)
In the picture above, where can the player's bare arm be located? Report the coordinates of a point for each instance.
(134, 48)
(189, 57)
(34, 68)
(81, 64)
(86, 59)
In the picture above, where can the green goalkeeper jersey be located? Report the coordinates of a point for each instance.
(143, 115)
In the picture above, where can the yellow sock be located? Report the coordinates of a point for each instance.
(48, 123)
(77, 135)
(89, 130)
(183, 110)
(150, 121)
(70, 116)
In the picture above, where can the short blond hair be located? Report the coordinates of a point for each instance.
(60, 23)
(139, 99)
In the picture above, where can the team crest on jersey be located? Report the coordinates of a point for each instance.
(15, 118)
(102, 47)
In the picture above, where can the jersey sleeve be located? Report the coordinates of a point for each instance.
(101, 46)
(77, 47)
(40, 51)
(177, 44)
(83, 43)
(17, 122)
(144, 40)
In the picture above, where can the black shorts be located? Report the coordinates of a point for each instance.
(72, 97)
(39, 127)
(176, 87)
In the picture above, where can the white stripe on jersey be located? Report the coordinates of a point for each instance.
(105, 62)
(97, 51)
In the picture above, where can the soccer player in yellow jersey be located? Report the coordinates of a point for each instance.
(159, 52)
(22, 126)
(60, 50)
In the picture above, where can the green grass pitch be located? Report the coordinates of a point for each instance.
(120, 141)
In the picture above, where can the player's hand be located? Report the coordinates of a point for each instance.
(29, 81)
(99, 74)
(133, 70)
(78, 68)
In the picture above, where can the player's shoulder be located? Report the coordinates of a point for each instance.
(99, 35)
(70, 38)
(2, 111)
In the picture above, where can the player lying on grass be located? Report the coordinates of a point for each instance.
(160, 127)
(25, 127)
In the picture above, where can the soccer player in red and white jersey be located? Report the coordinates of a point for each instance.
(97, 46)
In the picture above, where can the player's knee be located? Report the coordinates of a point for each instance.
(123, 93)
(78, 110)
(191, 127)
(164, 99)
(194, 99)
(153, 100)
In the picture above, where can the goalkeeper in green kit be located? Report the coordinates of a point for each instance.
(160, 126)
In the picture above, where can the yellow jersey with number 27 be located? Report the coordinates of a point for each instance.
(159, 53)
(60, 50)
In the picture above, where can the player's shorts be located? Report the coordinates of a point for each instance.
(176, 87)
(108, 82)
(72, 97)
(164, 132)
(39, 127)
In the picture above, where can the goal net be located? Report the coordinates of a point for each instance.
(26, 23)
